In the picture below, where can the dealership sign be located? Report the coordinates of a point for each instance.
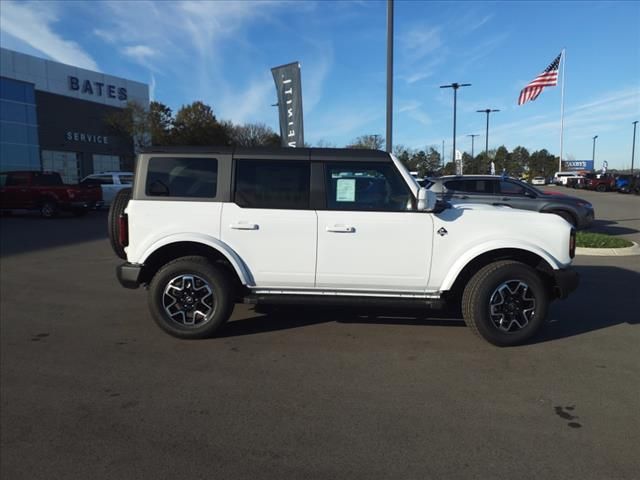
(97, 89)
(87, 138)
(576, 165)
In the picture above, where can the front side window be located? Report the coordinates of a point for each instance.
(511, 188)
(182, 177)
(366, 186)
(272, 184)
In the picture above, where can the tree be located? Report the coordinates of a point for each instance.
(449, 169)
(254, 135)
(132, 123)
(542, 163)
(160, 122)
(195, 124)
(520, 158)
(433, 163)
(368, 142)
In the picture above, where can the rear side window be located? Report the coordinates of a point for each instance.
(98, 180)
(272, 184)
(471, 186)
(182, 177)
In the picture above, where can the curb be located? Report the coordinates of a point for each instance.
(609, 252)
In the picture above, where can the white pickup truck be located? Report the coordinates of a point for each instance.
(205, 228)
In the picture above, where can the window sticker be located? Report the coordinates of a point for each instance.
(346, 190)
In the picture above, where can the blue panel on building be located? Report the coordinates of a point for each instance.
(19, 149)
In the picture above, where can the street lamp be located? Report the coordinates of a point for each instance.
(633, 146)
(486, 145)
(455, 87)
(593, 155)
(473, 136)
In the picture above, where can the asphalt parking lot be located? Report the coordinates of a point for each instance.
(91, 388)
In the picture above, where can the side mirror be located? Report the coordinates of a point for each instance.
(426, 200)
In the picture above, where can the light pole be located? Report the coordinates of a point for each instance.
(455, 87)
(473, 136)
(486, 145)
(389, 75)
(593, 155)
(633, 145)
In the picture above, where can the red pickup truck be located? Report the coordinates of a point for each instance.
(600, 182)
(45, 191)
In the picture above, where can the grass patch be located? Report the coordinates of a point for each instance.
(600, 240)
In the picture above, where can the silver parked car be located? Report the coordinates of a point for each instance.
(110, 183)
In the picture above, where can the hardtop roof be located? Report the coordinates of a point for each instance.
(302, 153)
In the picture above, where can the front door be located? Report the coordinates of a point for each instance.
(270, 224)
(369, 236)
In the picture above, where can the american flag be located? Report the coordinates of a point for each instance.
(548, 78)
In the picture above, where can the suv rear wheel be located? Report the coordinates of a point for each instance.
(190, 298)
(505, 303)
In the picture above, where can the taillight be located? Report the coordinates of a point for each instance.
(123, 230)
(572, 243)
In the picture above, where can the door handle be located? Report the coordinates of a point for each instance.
(341, 229)
(244, 226)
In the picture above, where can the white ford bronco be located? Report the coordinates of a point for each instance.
(204, 228)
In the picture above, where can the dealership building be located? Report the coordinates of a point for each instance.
(55, 117)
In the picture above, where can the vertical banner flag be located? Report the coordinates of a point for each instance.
(548, 78)
(289, 88)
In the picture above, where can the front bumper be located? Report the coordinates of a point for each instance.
(129, 274)
(565, 282)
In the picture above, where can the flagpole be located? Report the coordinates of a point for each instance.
(564, 54)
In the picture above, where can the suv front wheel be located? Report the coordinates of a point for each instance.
(505, 302)
(190, 298)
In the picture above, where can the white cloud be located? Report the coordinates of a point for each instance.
(420, 41)
(139, 52)
(32, 23)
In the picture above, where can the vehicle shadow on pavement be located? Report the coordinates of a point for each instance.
(607, 296)
(612, 227)
(29, 232)
(285, 318)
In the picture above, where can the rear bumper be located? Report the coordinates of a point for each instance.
(565, 282)
(129, 274)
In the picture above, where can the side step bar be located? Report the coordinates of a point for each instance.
(346, 301)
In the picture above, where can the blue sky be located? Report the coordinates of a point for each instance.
(222, 52)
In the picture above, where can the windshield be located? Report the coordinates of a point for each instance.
(410, 179)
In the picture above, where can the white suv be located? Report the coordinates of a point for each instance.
(110, 183)
(205, 228)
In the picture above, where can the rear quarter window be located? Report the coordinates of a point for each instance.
(185, 177)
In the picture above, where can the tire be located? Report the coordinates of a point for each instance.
(213, 290)
(495, 282)
(115, 210)
(601, 188)
(567, 216)
(48, 209)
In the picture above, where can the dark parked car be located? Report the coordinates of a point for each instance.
(497, 190)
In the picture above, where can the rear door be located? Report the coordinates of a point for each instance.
(369, 235)
(269, 222)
